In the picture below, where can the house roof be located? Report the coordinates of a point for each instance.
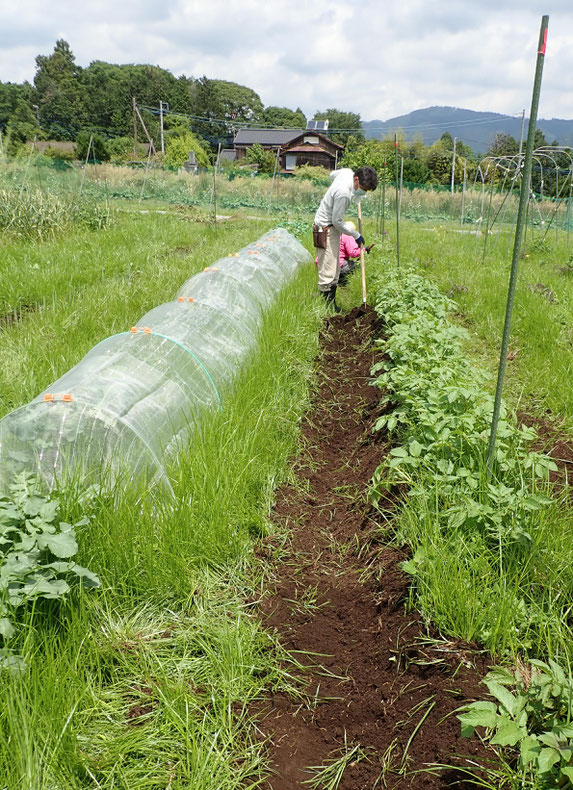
(228, 154)
(265, 136)
(321, 137)
(302, 149)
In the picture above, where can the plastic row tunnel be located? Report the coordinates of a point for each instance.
(137, 396)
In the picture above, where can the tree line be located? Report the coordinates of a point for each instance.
(66, 100)
(93, 107)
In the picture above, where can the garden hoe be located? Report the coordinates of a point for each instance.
(362, 266)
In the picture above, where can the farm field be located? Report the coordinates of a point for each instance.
(335, 574)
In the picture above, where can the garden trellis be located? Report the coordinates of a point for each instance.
(136, 398)
(550, 189)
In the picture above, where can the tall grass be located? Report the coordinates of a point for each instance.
(145, 683)
(35, 214)
(95, 284)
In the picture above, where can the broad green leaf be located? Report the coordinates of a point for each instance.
(7, 630)
(396, 462)
(568, 772)
(49, 510)
(47, 589)
(63, 544)
(530, 749)
(12, 663)
(508, 734)
(506, 698)
(547, 759)
(88, 578)
(399, 452)
(558, 672)
(549, 739)
(33, 506)
(501, 675)
(415, 448)
(480, 714)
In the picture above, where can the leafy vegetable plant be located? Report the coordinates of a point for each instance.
(532, 711)
(36, 551)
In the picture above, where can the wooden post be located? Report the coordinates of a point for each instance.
(362, 266)
(135, 154)
(152, 146)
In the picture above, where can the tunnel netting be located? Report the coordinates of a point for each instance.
(136, 397)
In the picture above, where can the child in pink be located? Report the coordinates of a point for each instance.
(349, 251)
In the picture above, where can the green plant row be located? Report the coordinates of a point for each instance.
(483, 546)
(441, 415)
(36, 214)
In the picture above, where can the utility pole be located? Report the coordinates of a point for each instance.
(454, 164)
(134, 128)
(161, 106)
(142, 122)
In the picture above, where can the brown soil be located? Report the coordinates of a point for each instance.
(16, 315)
(377, 678)
(552, 440)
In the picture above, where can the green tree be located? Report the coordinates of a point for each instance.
(22, 127)
(238, 102)
(58, 93)
(265, 160)
(10, 93)
(110, 89)
(372, 153)
(341, 125)
(282, 117)
(178, 149)
(416, 171)
(208, 111)
(539, 140)
(503, 145)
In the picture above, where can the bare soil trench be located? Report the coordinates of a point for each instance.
(376, 677)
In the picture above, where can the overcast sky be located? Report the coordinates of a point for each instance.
(380, 58)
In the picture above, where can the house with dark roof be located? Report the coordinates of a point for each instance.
(294, 147)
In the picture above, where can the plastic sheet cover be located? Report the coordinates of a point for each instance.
(125, 408)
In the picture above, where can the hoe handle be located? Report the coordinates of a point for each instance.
(362, 266)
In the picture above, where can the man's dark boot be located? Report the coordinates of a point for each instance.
(332, 298)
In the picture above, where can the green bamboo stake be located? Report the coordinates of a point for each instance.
(397, 210)
(523, 200)
(384, 202)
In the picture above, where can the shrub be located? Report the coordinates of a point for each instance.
(265, 160)
(99, 149)
(318, 175)
(59, 154)
(179, 147)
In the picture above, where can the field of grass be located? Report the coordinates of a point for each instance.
(161, 662)
(145, 682)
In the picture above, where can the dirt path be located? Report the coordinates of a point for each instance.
(377, 681)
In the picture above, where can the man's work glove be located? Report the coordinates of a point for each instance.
(360, 241)
(369, 247)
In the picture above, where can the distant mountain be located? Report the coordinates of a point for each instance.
(476, 129)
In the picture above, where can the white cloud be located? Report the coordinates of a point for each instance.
(378, 59)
